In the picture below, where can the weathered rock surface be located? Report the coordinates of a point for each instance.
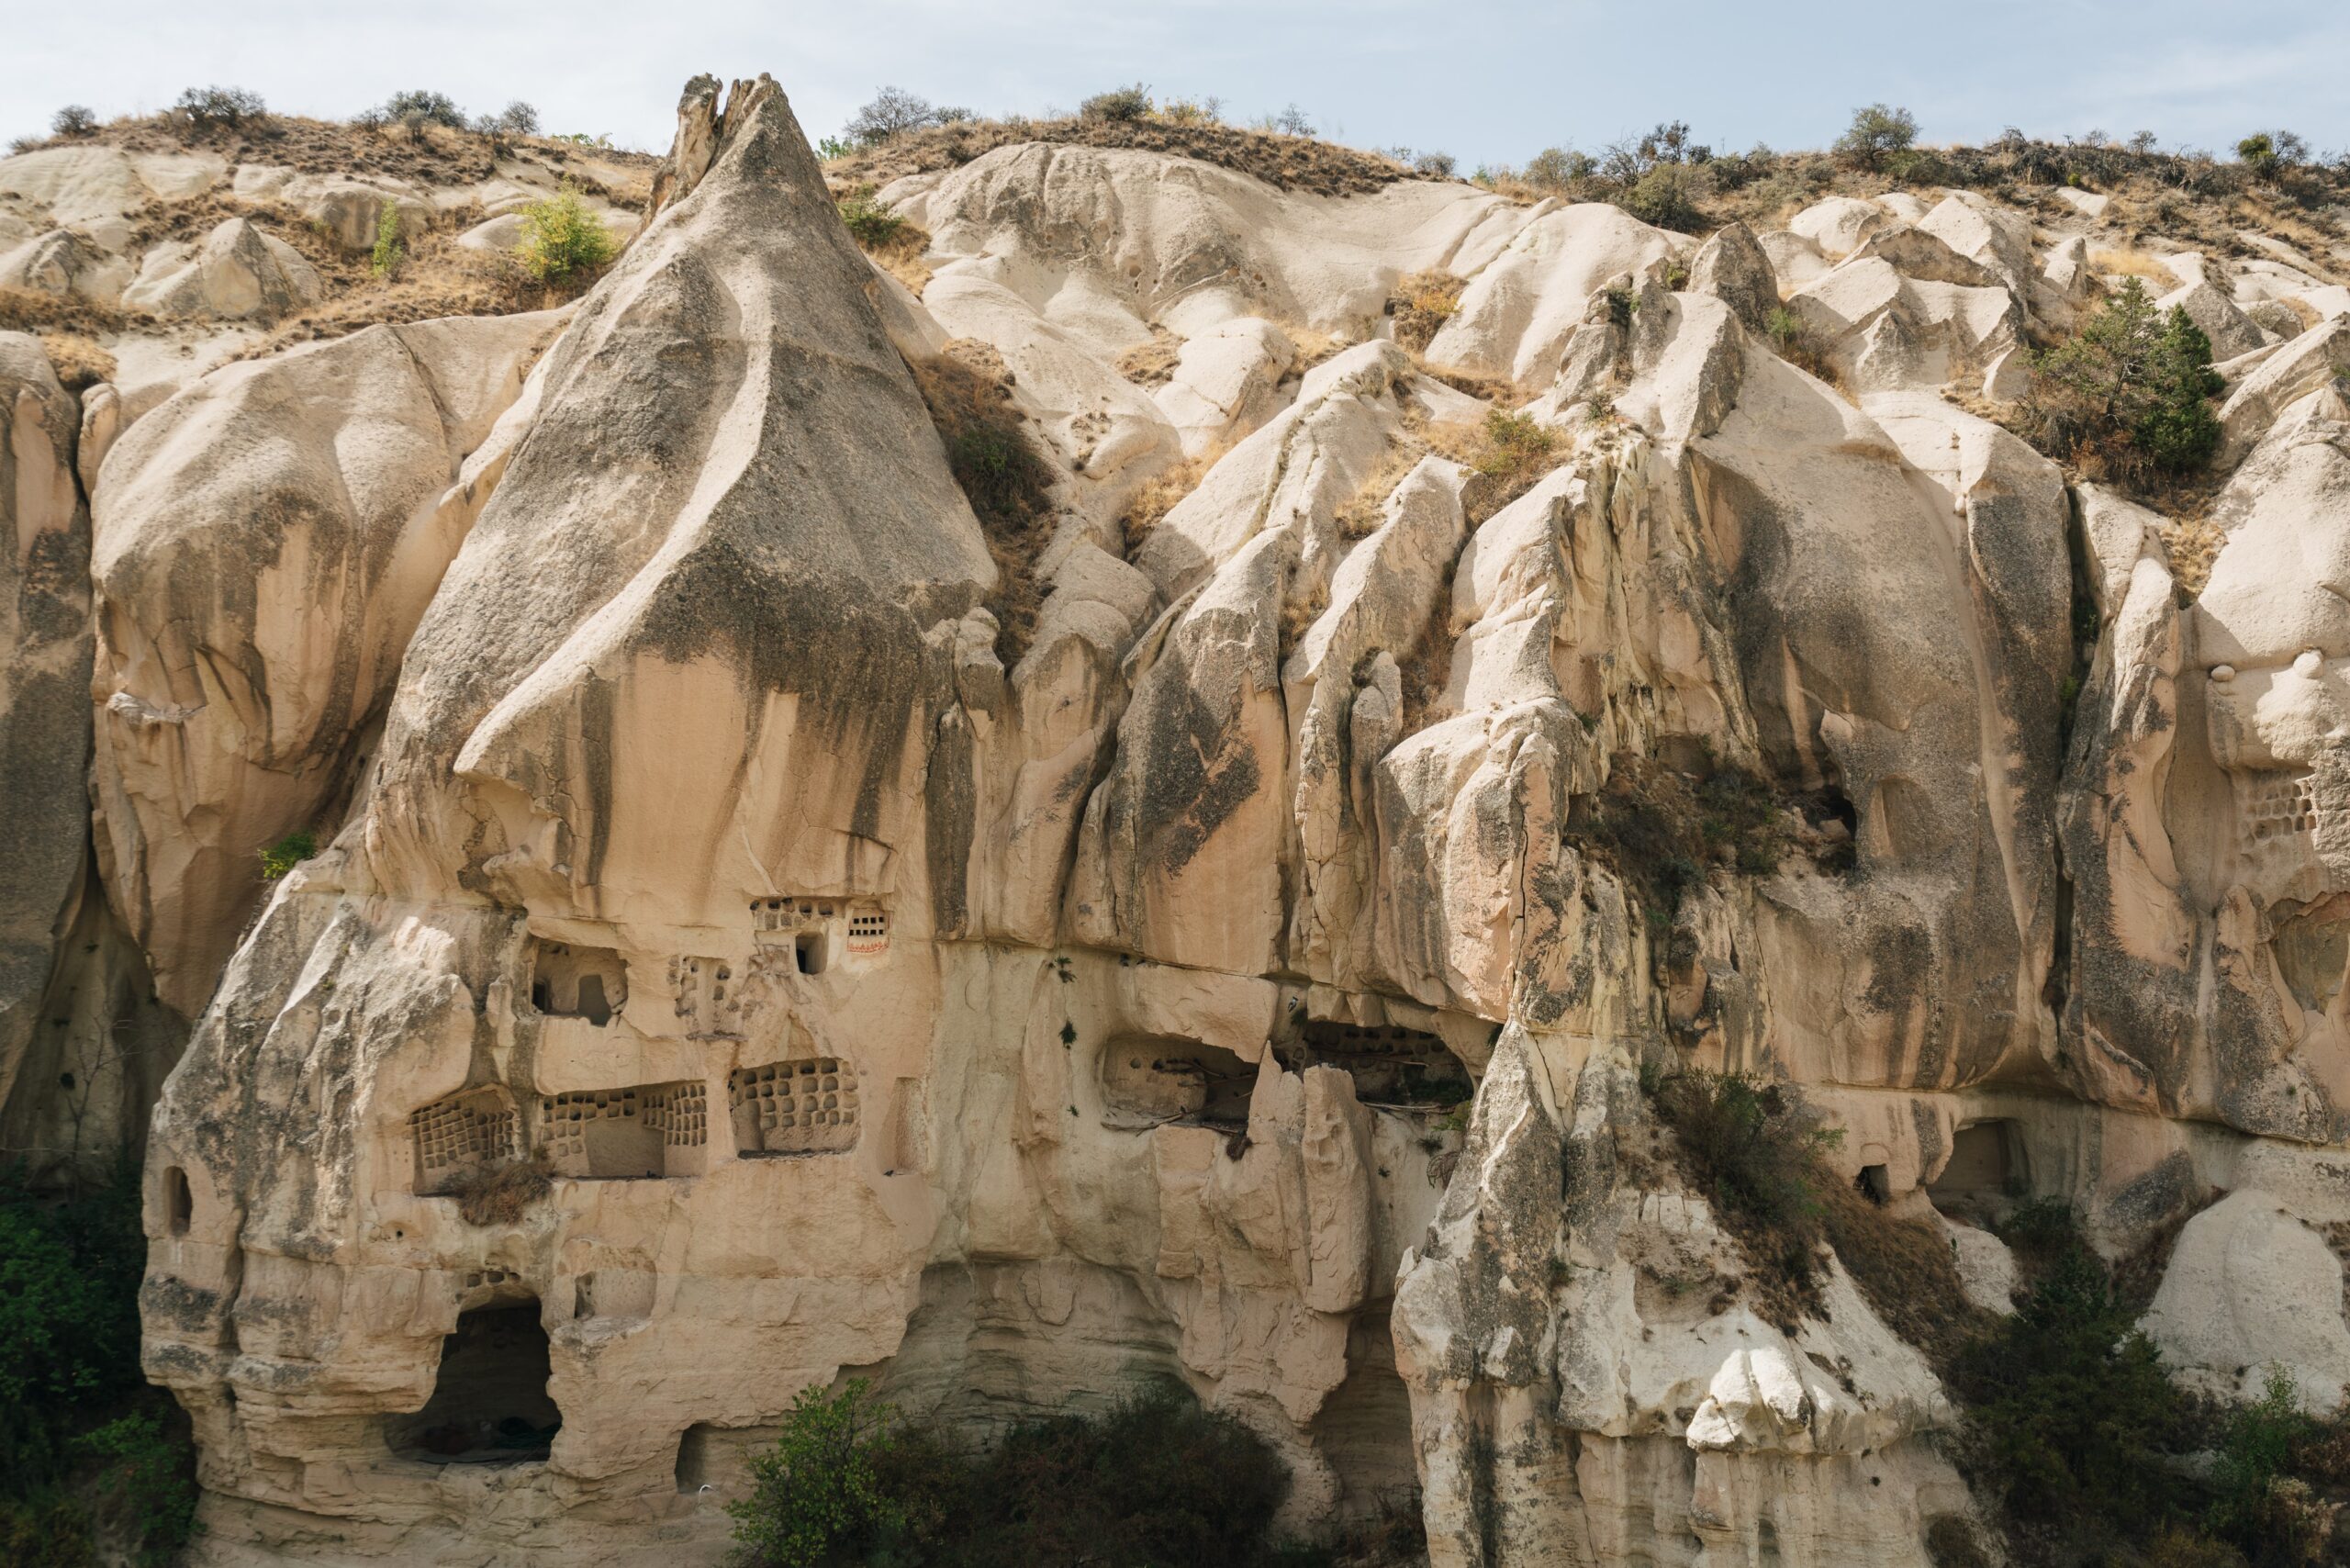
(1010, 1021)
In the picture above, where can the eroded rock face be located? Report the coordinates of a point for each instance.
(720, 973)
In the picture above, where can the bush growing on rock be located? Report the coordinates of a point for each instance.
(384, 260)
(563, 241)
(2128, 392)
(1876, 133)
(74, 120)
(1119, 104)
(1667, 197)
(421, 107)
(892, 112)
(296, 847)
(1434, 165)
(218, 108)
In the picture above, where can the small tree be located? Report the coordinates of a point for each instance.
(1119, 104)
(1875, 134)
(2131, 389)
(818, 1495)
(561, 239)
(218, 108)
(1556, 168)
(892, 113)
(1434, 165)
(421, 107)
(74, 120)
(390, 253)
(518, 118)
(1291, 122)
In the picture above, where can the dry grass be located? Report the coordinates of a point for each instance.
(1299, 612)
(1359, 516)
(79, 362)
(1904, 1267)
(1158, 496)
(1504, 454)
(1420, 304)
(896, 244)
(439, 277)
(1008, 483)
(1152, 363)
(34, 310)
(2194, 542)
(1313, 346)
(442, 156)
(2131, 262)
(1492, 389)
(1285, 162)
(497, 1195)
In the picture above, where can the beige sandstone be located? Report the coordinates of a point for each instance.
(1013, 1035)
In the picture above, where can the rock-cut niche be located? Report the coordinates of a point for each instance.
(1149, 1079)
(577, 982)
(489, 1402)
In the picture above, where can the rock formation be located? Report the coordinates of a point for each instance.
(732, 959)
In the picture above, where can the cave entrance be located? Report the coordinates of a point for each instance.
(1149, 1079)
(578, 983)
(489, 1402)
(1986, 1169)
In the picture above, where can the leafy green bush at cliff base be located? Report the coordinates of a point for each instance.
(1157, 1483)
(80, 1431)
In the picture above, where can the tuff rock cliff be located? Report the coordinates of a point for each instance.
(1009, 1017)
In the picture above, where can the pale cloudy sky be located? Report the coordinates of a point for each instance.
(1487, 80)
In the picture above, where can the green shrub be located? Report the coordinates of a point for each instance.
(76, 1415)
(817, 1496)
(871, 224)
(1557, 168)
(1875, 134)
(385, 261)
(1118, 103)
(287, 853)
(2069, 1416)
(218, 108)
(146, 1471)
(1798, 343)
(563, 240)
(421, 107)
(1157, 1483)
(1667, 197)
(2128, 392)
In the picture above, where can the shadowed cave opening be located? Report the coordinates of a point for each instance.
(1985, 1172)
(1148, 1078)
(1392, 1067)
(577, 982)
(489, 1402)
(179, 1201)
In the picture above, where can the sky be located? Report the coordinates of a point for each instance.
(1491, 82)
